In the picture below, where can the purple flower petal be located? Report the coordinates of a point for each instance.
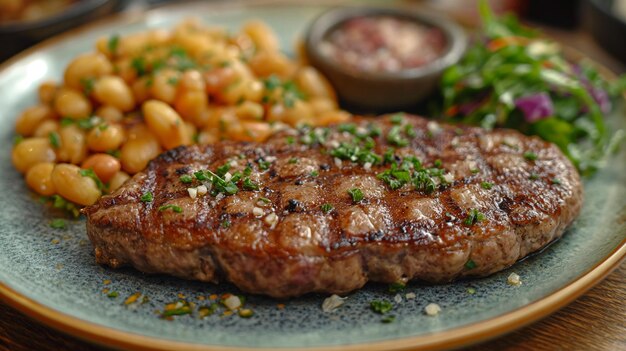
(535, 106)
(601, 97)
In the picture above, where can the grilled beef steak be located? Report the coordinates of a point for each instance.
(328, 209)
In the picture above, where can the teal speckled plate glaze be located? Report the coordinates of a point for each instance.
(51, 274)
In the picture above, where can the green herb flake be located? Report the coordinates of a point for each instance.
(113, 294)
(474, 216)
(396, 287)
(486, 185)
(174, 208)
(186, 178)
(290, 140)
(180, 311)
(139, 65)
(314, 173)
(114, 153)
(470, 264)
(58, 223)
(533, 176)
(356, 194)
(381, 306)
(225, 223)
(17, 139)
(530, 156)
(247, 171)
(147, 197)
(397, 118)
(55, 139)
(388, 319)
(471, 291)
(555, 181)
(207, 310)
(264, 165)
(250, 185)
(113, 43)
(91, 174)
(395, 138)
(293, 160)
(87, 85)
(327, 208)
(172, 81)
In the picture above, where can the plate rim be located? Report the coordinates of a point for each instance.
(451, 338)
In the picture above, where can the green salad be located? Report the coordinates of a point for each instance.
(513, 77)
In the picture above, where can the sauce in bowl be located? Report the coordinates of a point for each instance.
(383, 44)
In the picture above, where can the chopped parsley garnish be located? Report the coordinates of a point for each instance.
(204, 311)
(174, 208)
(264, 165)
(113, 294)
(327, 208)
(486, 185)
(181, 308)
(471, 291)
(356, 194)
(470, 264)
(556, 181)
(293, 160)
(249, 184)
(290, 140)
(395, 138)
(113, 43)
(172, 80)
(218, 179)
(381, 307)
(186, 178)
(17, 139)
(388, 319)
(247, 171)
(147, 197)
(58, 223)
(314, 173)
(533, 176)
(530, 156)
(395, 178)
(60, 203)
(474, 216)
(88, 85)
(360, 153)
(265, 200)
(398, 118)
(409, 130)
(389, 156)
(396, 287)
(91, 174)
(55, 139)
(139, 65)
(290, 93)
(225, 223)
(114, 153)
(347, 127)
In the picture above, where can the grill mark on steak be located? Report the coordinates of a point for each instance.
(392, 235)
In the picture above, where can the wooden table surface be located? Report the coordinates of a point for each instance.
(596, 321)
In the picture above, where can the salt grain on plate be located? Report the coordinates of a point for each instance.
(397, 298)
(432, 309)
(514, 279)
(332, 303)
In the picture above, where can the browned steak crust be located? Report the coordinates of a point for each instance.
(526, 189)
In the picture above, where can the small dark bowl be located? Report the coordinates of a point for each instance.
(607, 28)
(15, 36)
(383, 91)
